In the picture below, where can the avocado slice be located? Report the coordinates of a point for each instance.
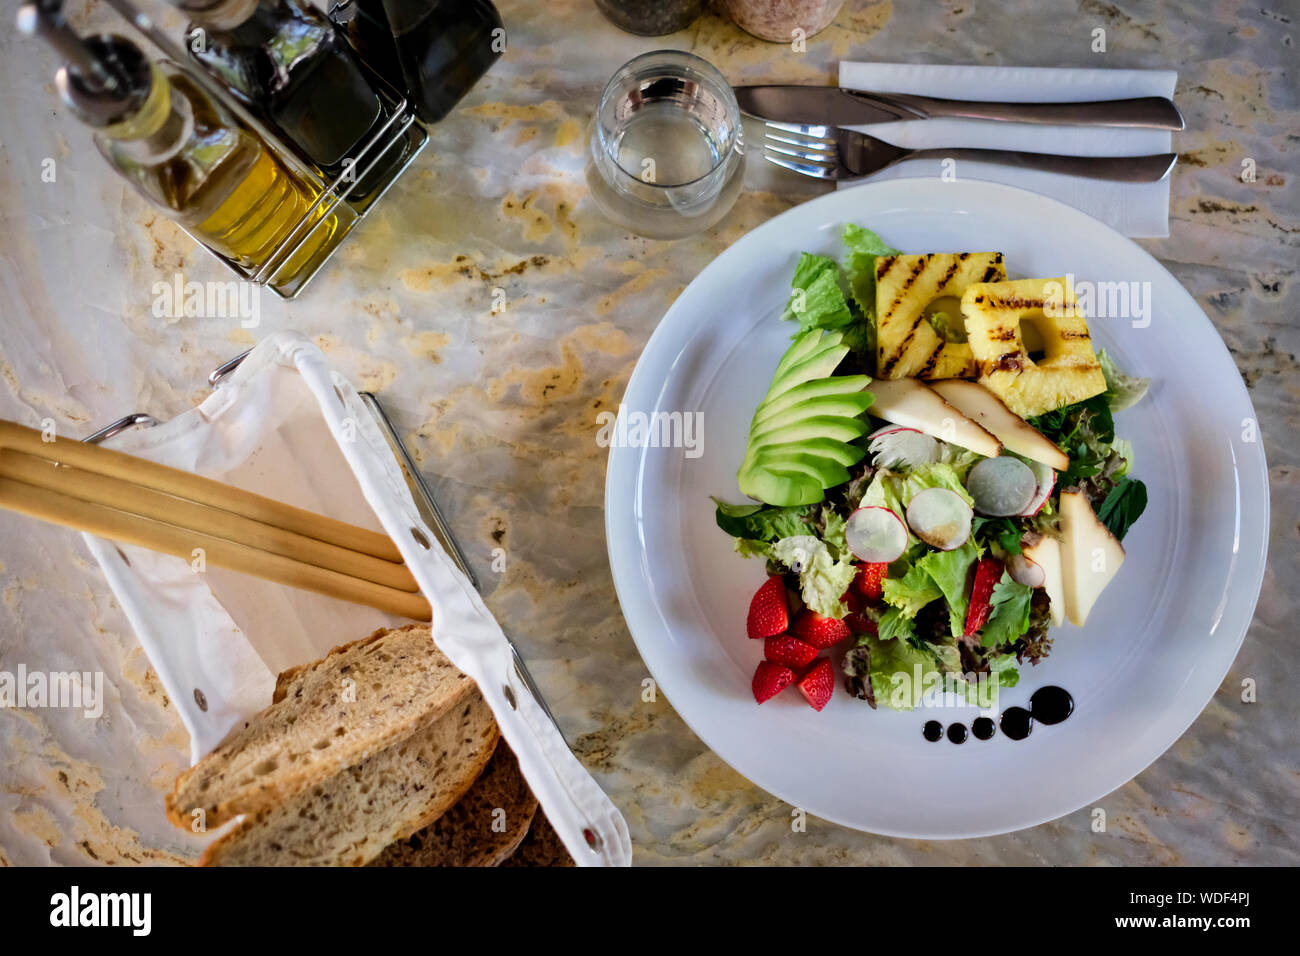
(827, 472)
(819, 426)
(836, 451)
(817, 388)
(843, 406)
(805, 345)
(818, 365)
(782, 488)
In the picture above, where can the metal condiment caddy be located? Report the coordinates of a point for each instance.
(331, 206)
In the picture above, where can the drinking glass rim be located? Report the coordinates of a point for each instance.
(731, 104)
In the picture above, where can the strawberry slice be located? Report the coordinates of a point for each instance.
(987, 573)
(870, 580)
(818, 684)
(820, 632)
(861, 624)
(769, 612)
(790, 651)
(770, 679)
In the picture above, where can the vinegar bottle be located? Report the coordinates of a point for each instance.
(294, 71)
(434, 50)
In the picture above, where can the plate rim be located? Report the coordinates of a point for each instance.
(621, 461)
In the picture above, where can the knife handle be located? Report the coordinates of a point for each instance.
(1152, 112)
(1116, 169)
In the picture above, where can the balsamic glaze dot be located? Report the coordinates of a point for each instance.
(1051, 705)
(957, 733)
(1017, 723)
(933, 730)
(983, 727)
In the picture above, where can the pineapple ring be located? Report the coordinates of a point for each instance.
(1069, 371)
(907, 346)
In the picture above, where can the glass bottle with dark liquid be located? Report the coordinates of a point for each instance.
(293, 70)
(435, 50)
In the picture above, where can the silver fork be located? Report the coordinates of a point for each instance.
(835, 153)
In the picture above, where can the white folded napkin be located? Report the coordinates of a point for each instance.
(1135, 209)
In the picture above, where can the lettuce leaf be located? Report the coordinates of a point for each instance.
(893, 625)
(761, 522)
(911, 592)
(862, 247)
(817, 301)
(899, 672)
(949, 571)
(822, 579)
(1009, 617)
(1122, 391)
(939, 474)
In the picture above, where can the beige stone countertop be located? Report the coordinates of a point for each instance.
(500, 409)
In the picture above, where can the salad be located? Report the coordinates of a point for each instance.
(934, 477)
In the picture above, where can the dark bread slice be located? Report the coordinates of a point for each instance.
(311, 730)
(542, 846)
(349, 818)
(482, 829)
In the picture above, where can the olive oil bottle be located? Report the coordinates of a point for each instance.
(188, 155)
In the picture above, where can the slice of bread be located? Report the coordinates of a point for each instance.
(482, 829)
(349, 818)
(542, 846)
(324, 717)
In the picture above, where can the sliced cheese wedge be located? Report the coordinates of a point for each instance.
(986, 409)
(1090, 556)
(906, 401)
(1047, 555)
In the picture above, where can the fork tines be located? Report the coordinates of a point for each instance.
(809, 150)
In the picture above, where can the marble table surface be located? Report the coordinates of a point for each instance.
(499, 408)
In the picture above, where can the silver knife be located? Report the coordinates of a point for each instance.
(833, 106)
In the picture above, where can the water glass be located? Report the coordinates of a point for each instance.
(666, 155)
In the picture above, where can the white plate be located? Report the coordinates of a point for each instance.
(1153, 652)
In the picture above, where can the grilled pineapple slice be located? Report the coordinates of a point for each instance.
(1068, 371)
(907, 346)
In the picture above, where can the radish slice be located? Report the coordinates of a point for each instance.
(940, 518)
(1045, 479)
(892, 446)
(875, 534)
(1001, 486)
(1026, 572)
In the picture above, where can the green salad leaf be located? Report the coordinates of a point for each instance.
(894, 625)
(899, 672)
(1009, 617)
(1122, 391)
(949, 571)
(862, 248)
(761, 523)
(939, 474)
(1122, 506)
(817, 301)
(822, 578)
(913, 591)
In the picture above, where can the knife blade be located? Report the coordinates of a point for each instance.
(827, 105)
(835, 106)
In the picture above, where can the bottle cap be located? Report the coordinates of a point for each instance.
(106, 78)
